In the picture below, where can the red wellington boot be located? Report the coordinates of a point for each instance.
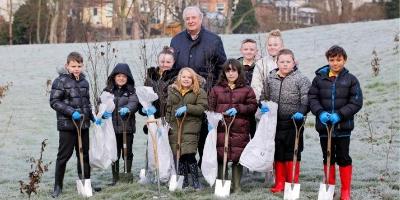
(332, 174)
(280, 177)
(345, 178)
(289, 168)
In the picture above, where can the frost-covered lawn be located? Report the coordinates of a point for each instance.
(26, 118)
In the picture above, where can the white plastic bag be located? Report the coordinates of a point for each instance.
(165, 156)
(209, 164)
(258, 155)
(156, 134)
(102, 143)
(146, 96)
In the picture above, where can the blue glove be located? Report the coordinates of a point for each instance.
(180, 111)
(98, 121)
(324, 117)
(123, 111)
(231, 112)
(107, 115)
(264, 109)
(76, 115)
(209, 127)
(149, 111)
(298, 116)
(335, 118)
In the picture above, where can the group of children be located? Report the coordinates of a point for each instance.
(334, 97)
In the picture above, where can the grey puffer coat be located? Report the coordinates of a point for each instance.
(290, 93)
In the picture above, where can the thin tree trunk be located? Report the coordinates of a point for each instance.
(54, 23)
(123, 28)
(62, 37)
(10, 23)
(38, 22)
(46, 31)
(136, 18)
(164, 28)
(228, 28)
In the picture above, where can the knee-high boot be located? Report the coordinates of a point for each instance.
(332, 174)
(280, 177)
(115, 173)
(289, 169)
(237, 170)
(345, 178)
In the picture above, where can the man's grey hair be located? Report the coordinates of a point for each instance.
(194, 8)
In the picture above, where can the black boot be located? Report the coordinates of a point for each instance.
(57, 191)
(115, 173)
(195, 176)
(129, 166)
(59, 179)
(183, 170)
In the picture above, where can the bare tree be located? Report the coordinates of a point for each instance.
(63, 23)
(10, 15)
(229, 14)
(396, 41)
(121, 13)
(4, 89)
(135, 21)
(54, 6)
(39, 12)
(375, 63)
(100, 58)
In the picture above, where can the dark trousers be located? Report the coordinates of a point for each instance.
(202, 138)
(120, 145)
(339, 150)
(253, 125)
(284, 141)
(188, 158)
(68, 140)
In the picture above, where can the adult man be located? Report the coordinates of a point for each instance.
(198, 48)
(201, 50)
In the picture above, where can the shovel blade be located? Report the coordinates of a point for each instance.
(142, 177)
(175, 183)
(84, 187)
(292, 191)
(326, 191)
(222, 188)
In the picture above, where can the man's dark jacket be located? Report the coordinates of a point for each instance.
(205, 55)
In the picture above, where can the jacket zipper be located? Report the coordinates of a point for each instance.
(280, 90)
(117, 107)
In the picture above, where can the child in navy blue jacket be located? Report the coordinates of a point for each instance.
(335, 97)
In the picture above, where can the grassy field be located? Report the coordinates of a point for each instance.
(26, 117)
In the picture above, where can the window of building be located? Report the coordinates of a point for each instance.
(204, 7)
(94, 11)
(220, 7)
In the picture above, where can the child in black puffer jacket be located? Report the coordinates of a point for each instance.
(335, 97)
(122, 85)
(70, 98)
